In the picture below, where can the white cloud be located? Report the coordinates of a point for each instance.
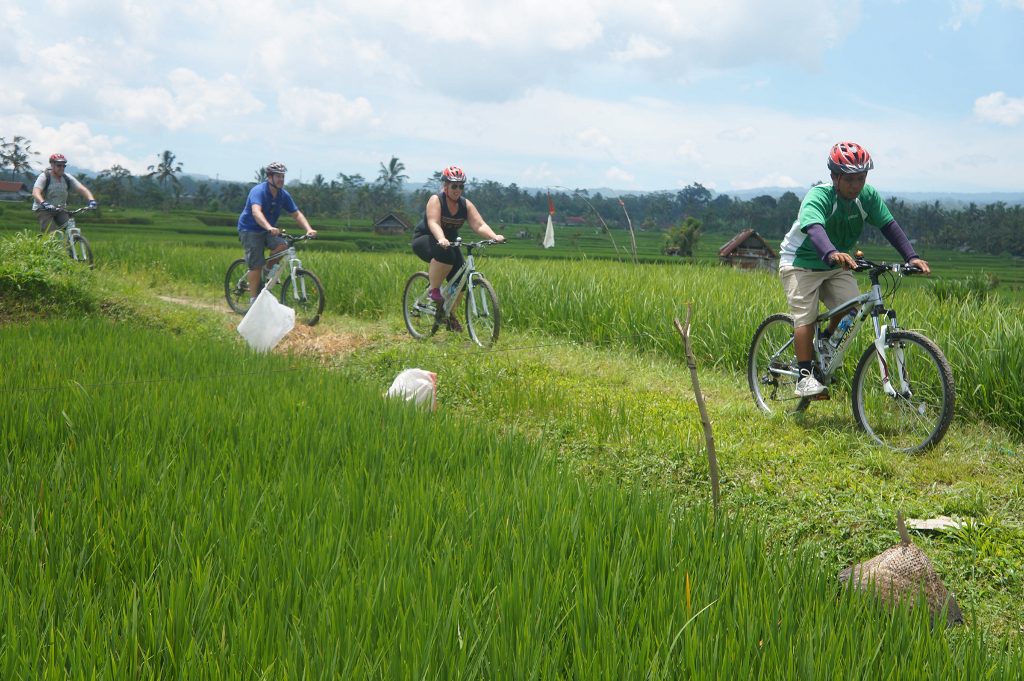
(594, 138)
(964, 11)
(618, 175)
(771, 180)
(687, 151)
(639, 48)
(998, 108)
(190, 100)
(323, 111)
(82, 147)
(740, 134)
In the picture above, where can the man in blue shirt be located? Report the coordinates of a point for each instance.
(257, 225)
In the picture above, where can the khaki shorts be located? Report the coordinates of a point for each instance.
(805, 289)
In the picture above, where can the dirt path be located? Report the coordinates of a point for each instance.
(319, 341)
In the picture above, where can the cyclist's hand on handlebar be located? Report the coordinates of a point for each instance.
(46, 205)
(274, 231)
(93, 205)
(920, 264)
(311, 234)
(844, 260)
(444, 243)
(499, 239)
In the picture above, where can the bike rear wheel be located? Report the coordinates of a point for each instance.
(915, 414)
(236, 286)
(772, 371)
(305, 295)
(419, 311)
(483, 315)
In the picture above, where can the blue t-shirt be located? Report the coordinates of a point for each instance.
(271, 205)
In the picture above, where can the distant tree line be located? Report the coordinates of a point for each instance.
(995, 228)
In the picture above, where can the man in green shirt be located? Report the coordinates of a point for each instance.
(814, 258)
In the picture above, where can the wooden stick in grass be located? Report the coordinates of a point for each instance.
(709, 438)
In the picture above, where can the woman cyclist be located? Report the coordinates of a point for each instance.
(446, 212)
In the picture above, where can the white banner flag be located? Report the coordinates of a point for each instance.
(549, 234)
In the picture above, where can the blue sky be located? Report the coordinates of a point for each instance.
(644, 95)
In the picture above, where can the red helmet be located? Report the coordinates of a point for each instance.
(453, 174)
(58, 158)
(847, 158)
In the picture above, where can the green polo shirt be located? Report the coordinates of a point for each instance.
(843, 220)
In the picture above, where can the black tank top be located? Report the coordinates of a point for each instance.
(449, 223)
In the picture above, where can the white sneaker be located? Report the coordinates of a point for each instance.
(808, 385)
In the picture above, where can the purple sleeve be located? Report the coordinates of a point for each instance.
(822, 244)
(898, 238)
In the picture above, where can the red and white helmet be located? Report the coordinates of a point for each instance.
(58, 158)
(453, 174)
(847, 158)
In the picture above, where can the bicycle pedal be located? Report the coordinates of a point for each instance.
(822, 396)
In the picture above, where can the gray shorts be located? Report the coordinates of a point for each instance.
(51, 220)
(805, 289)
(255, 243)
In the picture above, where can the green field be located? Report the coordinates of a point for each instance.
(175, 505)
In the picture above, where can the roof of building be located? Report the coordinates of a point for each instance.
(741, 238)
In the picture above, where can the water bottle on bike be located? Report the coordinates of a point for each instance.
(844, 326)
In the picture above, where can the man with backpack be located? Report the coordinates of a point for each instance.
(50, 194)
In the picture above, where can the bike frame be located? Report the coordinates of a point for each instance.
(464, 278)
(68, 231)
(288, 257)
(883, 321)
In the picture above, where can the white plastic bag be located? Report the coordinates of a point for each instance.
(266, 322)
(415, 385)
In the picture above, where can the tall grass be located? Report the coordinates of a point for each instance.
(617, 304)
(194, 510)
(37, 276)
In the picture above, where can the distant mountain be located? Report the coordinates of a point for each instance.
(952, 199)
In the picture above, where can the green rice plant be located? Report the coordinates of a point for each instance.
(197, 510)
(615, 304)
(974, 287)
(36, 275)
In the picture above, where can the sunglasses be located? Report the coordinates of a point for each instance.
(457, 185)
(59, 164)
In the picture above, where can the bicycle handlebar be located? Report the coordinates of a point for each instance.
(903, 269)
(459, 243)
(293, 239)
(74, 212)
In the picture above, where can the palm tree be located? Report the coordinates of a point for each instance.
(16, 154)
(166, 170)
(391, 176)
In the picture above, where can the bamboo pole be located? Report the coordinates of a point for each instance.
(709, 438)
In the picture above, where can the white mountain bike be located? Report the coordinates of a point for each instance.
(903, 392)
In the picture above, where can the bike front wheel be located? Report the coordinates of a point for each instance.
(80, 250)
(418, 310)
(305, 294)
(772, 370)
(905, 402)
(236, 286)
(483, 315)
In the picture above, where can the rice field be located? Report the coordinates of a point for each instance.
(621, 304)
(191, 509)
(172, 505)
